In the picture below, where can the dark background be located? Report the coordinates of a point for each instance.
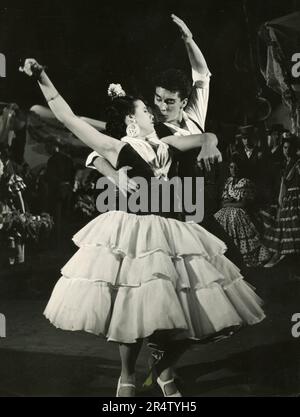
(86, 45)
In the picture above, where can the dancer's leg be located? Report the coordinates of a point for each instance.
(129, 354)
(164, 368)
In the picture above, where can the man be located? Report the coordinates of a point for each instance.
(250, 154)
(182, 108)
(275, 144)
(182, 111)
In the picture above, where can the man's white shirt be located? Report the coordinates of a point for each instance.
(195, 111)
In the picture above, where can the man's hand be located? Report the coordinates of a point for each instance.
(209, 155)
(123, 182)
(185, 31)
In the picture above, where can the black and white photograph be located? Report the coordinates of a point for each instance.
(150, 200)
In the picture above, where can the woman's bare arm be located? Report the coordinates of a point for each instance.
(186, 143)
(108, 147)
(209, 153)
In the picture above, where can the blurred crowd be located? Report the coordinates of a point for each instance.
(36, 204)
(260, 198)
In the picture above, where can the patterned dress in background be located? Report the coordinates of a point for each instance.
(238, 224)
(282, 222)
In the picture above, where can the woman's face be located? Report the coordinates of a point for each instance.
(233, 169)
(143, 118)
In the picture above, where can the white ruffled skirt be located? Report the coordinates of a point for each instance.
(134, 275)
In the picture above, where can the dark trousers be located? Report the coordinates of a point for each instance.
(60, 207)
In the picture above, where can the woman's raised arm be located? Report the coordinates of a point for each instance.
(108, 147)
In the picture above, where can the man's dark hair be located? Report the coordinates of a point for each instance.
(174, 80)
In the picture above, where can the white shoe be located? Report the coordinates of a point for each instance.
(162, 385)
(121, 385)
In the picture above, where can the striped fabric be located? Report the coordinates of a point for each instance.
(282, 224)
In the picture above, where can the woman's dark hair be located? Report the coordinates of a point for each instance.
(116, 113)
(293, 141)
(236, 159)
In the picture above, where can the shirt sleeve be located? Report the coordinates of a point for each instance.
(89, 163)
(198, 101)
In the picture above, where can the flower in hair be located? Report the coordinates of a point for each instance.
(115, 90)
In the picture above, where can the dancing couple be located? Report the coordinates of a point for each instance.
(141, 276)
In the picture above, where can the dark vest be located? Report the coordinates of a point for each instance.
(185, 163)
(186, 166)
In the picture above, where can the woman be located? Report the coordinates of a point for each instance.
(238, 194)
(282, 223)
(135, 276)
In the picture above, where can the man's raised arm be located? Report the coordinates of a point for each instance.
(196, 57)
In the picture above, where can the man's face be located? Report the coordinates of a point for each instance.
(275, 139)
(169, 104)
(287, 149)
(247, 142)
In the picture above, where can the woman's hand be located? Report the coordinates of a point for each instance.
(31, 67)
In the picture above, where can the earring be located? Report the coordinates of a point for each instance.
(133, 130)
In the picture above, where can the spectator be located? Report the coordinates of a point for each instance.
(275, 163)
(238, 195)
(250, 154)
(282, 223)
